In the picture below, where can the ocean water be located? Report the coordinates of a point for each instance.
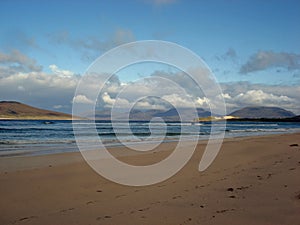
(34, 137)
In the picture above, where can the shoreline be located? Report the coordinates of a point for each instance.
(253, 180)
(40, 150)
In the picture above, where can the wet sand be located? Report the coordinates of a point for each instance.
(254, 180)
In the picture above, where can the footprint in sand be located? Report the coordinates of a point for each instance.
(243, 187)
(153, 203)
(105, 217)
(90, 202)
(27, 218)
(176, 197)
(230, 189)
(276, 162)
(259, 177)
(66, 210)
(144, 209)
(224, 210)
(120, 196)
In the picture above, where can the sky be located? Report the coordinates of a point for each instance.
(252, 48)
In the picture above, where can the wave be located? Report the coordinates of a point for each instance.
(253, 125)
(35, 129)
(258, 130)
(29, 142)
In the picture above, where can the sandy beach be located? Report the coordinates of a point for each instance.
(254, 180)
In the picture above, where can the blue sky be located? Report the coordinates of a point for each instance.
(256, 42)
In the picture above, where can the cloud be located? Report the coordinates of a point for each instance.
(60, 72)
(55, 90)
(241, 94)
(179, 101)
(107, 99)
(202, 102)
(259, 97)
(60, 37)
(92, 47)
(39, 89)
(20, 88)
(263, 60)
(231, 53)
(236, 94)
(17, 38)
(16, 61)
(82, 99)
(57, 106)
(151, 102)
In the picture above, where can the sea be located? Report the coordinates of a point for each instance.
(38, 137)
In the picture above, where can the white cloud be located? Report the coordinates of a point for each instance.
(60, 72)
(82, 99)
(40, 89)
(202, 102)
(57, 106)
(259, 97)
(238, 95)
(149, 105)
(225, 96)
(107, 99)
(179, 101)
(21, 88)
(117, 103)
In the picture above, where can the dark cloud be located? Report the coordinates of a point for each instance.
(231, 54)
(92, 47)
(263, 60)
(18, 39)
(16, 61)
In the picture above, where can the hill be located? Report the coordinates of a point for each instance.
(146, 115)
(262, 112)
(17, 110)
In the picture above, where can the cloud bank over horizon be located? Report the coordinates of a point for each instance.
(23, 80)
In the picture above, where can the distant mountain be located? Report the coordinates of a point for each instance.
(262, 112)
(17, 110)
(146, 115)
(296, 117)
(187, 114)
